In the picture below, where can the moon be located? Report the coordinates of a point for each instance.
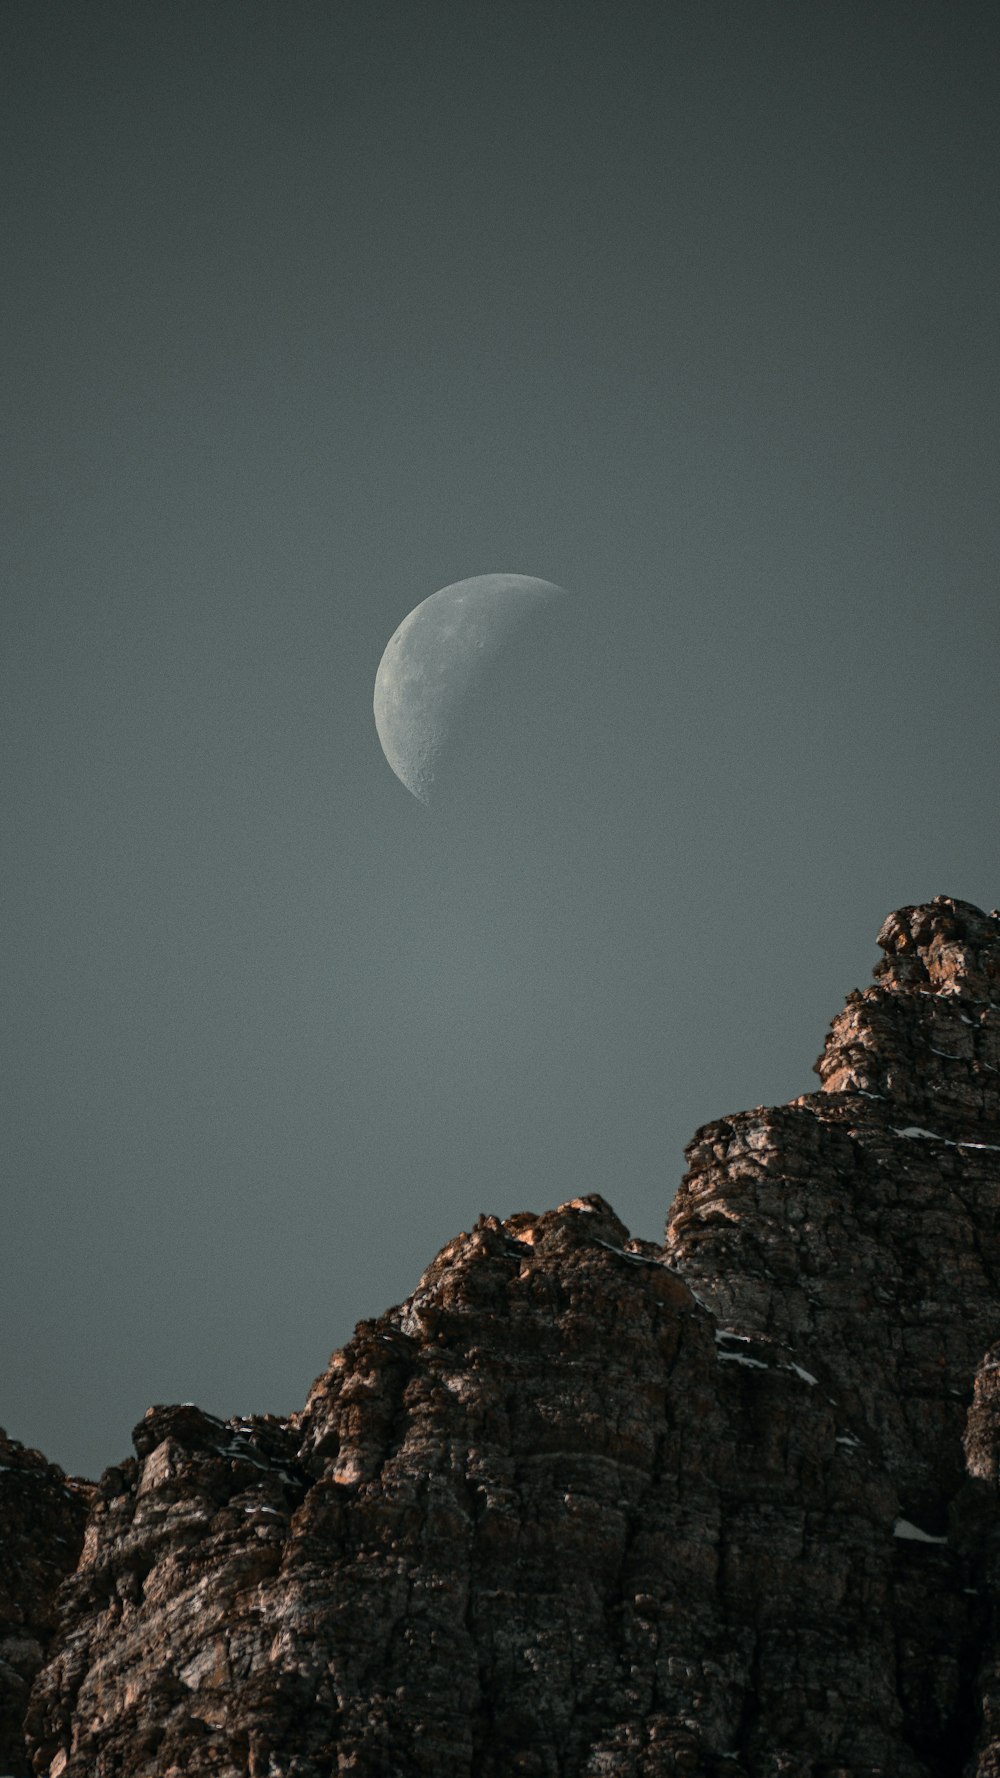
(438, 659)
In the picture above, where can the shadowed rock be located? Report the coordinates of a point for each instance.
(42, 1515)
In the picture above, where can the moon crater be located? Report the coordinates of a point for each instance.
(439, 659)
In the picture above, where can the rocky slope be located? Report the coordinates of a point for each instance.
(584, 1506)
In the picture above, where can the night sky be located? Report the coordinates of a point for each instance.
(309, 310)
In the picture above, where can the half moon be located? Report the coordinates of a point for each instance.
(436, 660)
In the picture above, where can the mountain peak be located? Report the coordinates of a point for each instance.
(926, 1036)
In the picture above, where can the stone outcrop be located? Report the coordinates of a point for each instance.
(42, 1515)
(584, 1507)
(862, 1223)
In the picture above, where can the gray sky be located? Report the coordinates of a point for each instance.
(309, 310)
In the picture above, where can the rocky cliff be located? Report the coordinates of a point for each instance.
(586, 1506)
(42, 1516)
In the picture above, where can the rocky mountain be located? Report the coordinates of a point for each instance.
(585, 1507)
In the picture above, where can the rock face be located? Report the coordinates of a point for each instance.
(41, 1530)
(583, 1507)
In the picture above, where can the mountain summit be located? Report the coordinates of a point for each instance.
(582, 1506)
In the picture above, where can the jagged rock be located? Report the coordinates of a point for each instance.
(582, 1506)
(42, 1515)
(861, 1224)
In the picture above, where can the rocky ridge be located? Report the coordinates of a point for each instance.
(584, 1507)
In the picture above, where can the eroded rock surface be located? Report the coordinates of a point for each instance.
(587, 1508)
